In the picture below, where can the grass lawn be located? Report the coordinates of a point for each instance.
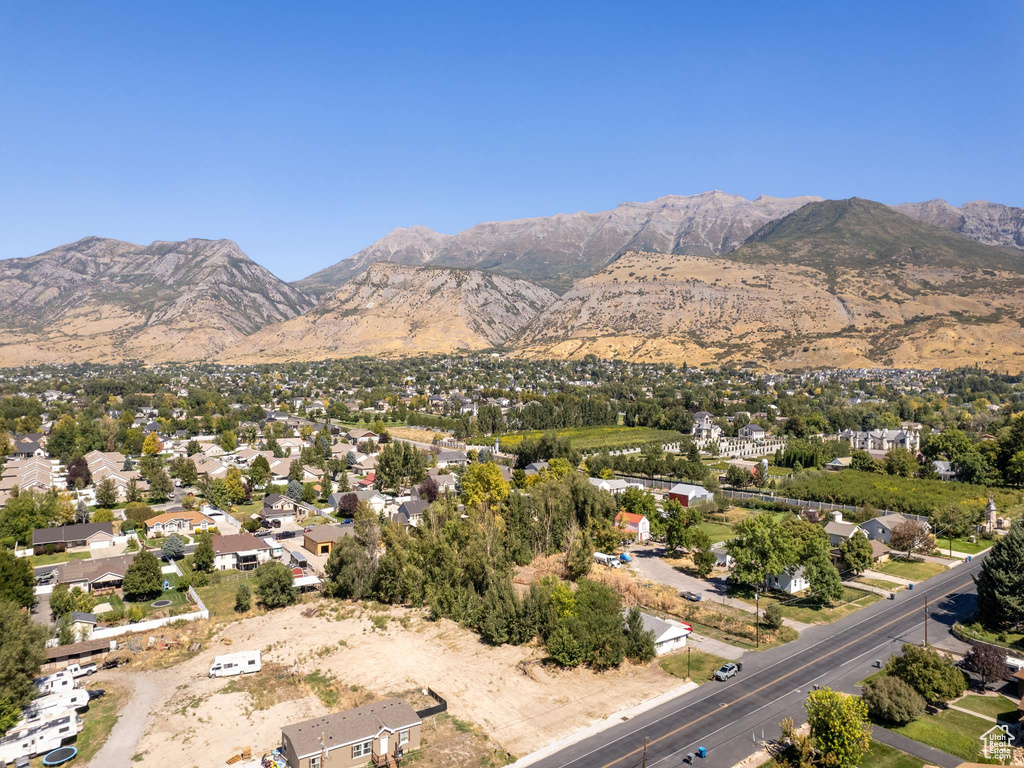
(912, 570)
(57, 557)
(963, 545)
(892, 586)
(1014, 641)
(717, 531)
(702, 665)
(317, 520)
(879, 755)
(873, 676)
(176, 598)
(951, 731)
(998, 707)
(219, 594)
(806, 610)
(242, 512)
(594, 438)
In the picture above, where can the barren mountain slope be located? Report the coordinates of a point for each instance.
(989, 223)
(105, 300)
(400, 310)
(555, 250)
(837, 283)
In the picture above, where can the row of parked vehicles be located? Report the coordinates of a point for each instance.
(50, 720)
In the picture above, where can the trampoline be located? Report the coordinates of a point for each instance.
(60, 755)
(161, 604)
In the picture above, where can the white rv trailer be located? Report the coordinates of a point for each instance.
(40, 739)
(241, 663)
(55, 683)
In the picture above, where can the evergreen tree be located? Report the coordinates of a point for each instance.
(243, 598)
(639, 641)
(17, 582)
(1001, 580)
(21, 655)
(173, 548)
(143, 578)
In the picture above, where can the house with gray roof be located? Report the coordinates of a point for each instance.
(380, 733)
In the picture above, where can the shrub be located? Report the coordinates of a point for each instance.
(931, 674)
(136, 613)
(243, 598)
(892, 701)
(772, 616)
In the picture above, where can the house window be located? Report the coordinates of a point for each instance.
(361, 750)
(314, 761)
(403, 736)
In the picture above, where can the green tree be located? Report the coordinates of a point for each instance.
(348, 571)
(901, 462)
(856, 554)
(862, 462)
(17, 582)
(1001, 581)
(259, 471)
(839, 727)
(228, 440)
(173, 548)
(931, 674)
(824, 584)
(106, 493)
(160, 486)
(772, 616)
(152, 445)
(483, 483)
(243, 598)
(892, 701)
(275, 585)
(21, 656)
(639, 641)
(761, 548)
(61, 602)
(202, 558)
(143, 579)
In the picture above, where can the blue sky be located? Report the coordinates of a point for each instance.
(304, 131)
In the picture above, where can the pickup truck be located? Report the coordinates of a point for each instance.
(81, 670)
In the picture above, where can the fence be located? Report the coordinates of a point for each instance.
(441, 706)
(145, 626)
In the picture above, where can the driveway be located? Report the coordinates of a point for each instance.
(147, 689)
(648, 562)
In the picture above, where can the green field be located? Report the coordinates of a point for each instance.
(717, 531)
(590, 439)
(219, 595)
(912, 570)
(963, 545)
(998, 707)
(951, 731)
(242, 512)
(702, 665)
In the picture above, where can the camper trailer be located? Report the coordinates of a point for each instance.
(241, 663)
(56, 703)
(55, 683)
(39, 739)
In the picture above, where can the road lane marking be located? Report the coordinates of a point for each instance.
(747, 695)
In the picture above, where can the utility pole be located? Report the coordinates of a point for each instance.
(687, 661)
(926, 621)
(757, 617)
(644, 764)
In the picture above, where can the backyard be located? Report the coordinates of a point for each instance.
(57, 557)
(997, 706)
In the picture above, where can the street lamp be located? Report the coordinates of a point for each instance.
(757, 617)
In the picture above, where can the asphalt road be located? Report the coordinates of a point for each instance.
(729, 718)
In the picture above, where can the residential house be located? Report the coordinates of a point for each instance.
(411, 512)
(881, 528)
(839, 531)
(241, 551)
(446, 482)
(82, 624)
(28, 445)
(382, 733)
(636, 525)
(791, 583)
(91, 535)
(688, 495)
(99, 576)
(447, 459)
(283, 508)
(669, 635)
(535, 468)
(183, 521)
(33, 473)
(613, 485)
(879, 442)
(944, 469)
(374, 499)
(362, 435)
(320, 539)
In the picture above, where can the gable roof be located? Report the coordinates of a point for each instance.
(194, 517)
(319, 534)
(845, 530)
(350, 726)
(64, 533)
(91, 570)
(237, 542)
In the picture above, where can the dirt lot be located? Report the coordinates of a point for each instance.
(346, 655)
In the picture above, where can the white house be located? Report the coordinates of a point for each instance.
(790, 583)
(241, 551)
(881, 528)
(669, 635)
(839, 531)
(637, 525)
(615, 485)
(752, 432)
(704, 426)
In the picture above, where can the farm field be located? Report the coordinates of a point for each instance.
(590, 439)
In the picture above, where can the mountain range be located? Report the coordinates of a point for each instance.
(777, 282)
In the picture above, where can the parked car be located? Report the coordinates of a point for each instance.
(81, 670)
(726, 671)
(275, 523)
(694, 597)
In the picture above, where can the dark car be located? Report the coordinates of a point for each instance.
(726, 671)
(695, 597)
(274, 523)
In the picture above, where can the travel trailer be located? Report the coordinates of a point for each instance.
(241, 663)
(39, 739)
